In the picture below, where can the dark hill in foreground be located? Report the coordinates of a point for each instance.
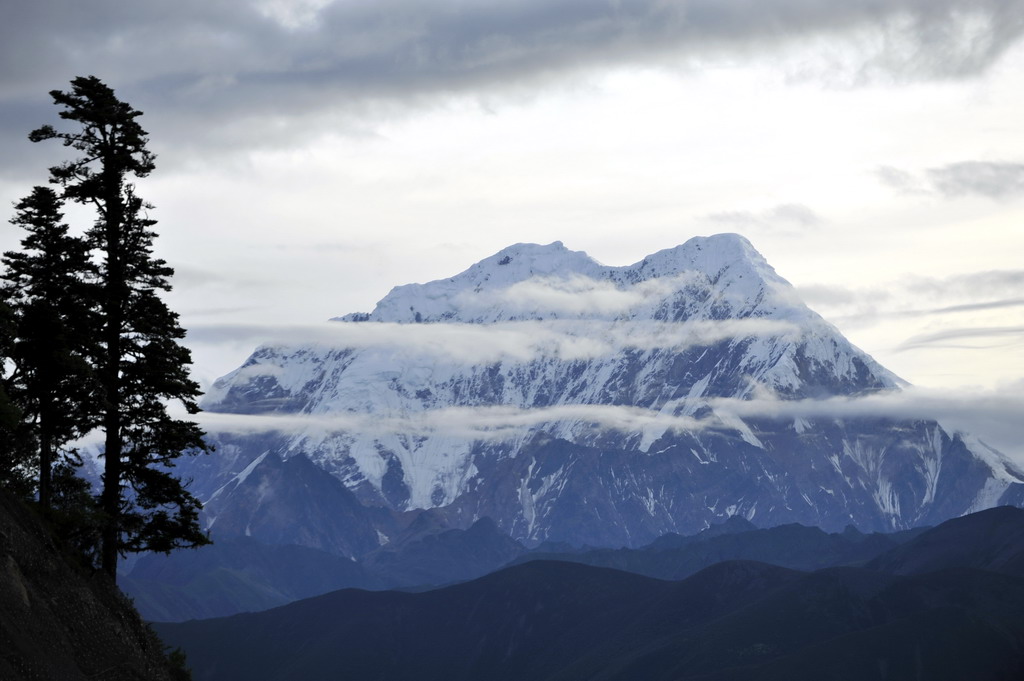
(735, 620)
(61, 622)
(519, 623)
(988, 540)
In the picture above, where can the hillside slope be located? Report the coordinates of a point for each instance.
(61, 622)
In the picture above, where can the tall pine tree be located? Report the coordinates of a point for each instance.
(49, 286)
(140, 366)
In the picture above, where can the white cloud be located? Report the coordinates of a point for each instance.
(901, 180)
(956, 336)
(576, 295)
(912, 297)
(983, 178)
(992, 416)
(478, 423)
(271, 71)
(990, 179)
(503, 341)
(790, 218)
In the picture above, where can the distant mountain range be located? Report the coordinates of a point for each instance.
(563, 402)
(574, 402)
(946, 604)
(241, 574)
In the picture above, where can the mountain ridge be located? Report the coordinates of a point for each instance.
(240, 573)
(714, 257)
(554, 621)
(570, 401)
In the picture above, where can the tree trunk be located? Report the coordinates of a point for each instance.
(45, 467)
(113, 312)
(110, 499)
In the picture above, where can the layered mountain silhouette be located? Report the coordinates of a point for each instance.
(954, 614)
(242, 574)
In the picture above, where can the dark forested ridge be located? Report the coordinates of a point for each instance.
(244, 574)
(949, 618)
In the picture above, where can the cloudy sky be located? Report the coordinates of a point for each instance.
(314, 153)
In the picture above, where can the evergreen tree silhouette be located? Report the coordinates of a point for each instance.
(49, 287)
(140, 365)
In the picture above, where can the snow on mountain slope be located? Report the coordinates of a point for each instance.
(570, 400)
(529, 281)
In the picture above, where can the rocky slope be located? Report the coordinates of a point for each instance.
(60, 621)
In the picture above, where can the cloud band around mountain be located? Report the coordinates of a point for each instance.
(517, 341)
(992, 416)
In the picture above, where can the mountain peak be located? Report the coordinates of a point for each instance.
(525, 260)
(541, 382)
(712, 254)
(534, 281)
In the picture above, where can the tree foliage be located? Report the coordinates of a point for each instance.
(49, 288)
(134, 363)
(18, 458)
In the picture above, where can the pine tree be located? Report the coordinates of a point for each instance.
(18, 458)
(48, 286)
(140, 366)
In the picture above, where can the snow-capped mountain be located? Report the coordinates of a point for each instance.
(572, 401)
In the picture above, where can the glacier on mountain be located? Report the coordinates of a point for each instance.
(573, 401)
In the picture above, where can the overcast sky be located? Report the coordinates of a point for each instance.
(313, 154)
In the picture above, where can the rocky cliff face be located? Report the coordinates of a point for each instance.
(58, 621)
(571, 401)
